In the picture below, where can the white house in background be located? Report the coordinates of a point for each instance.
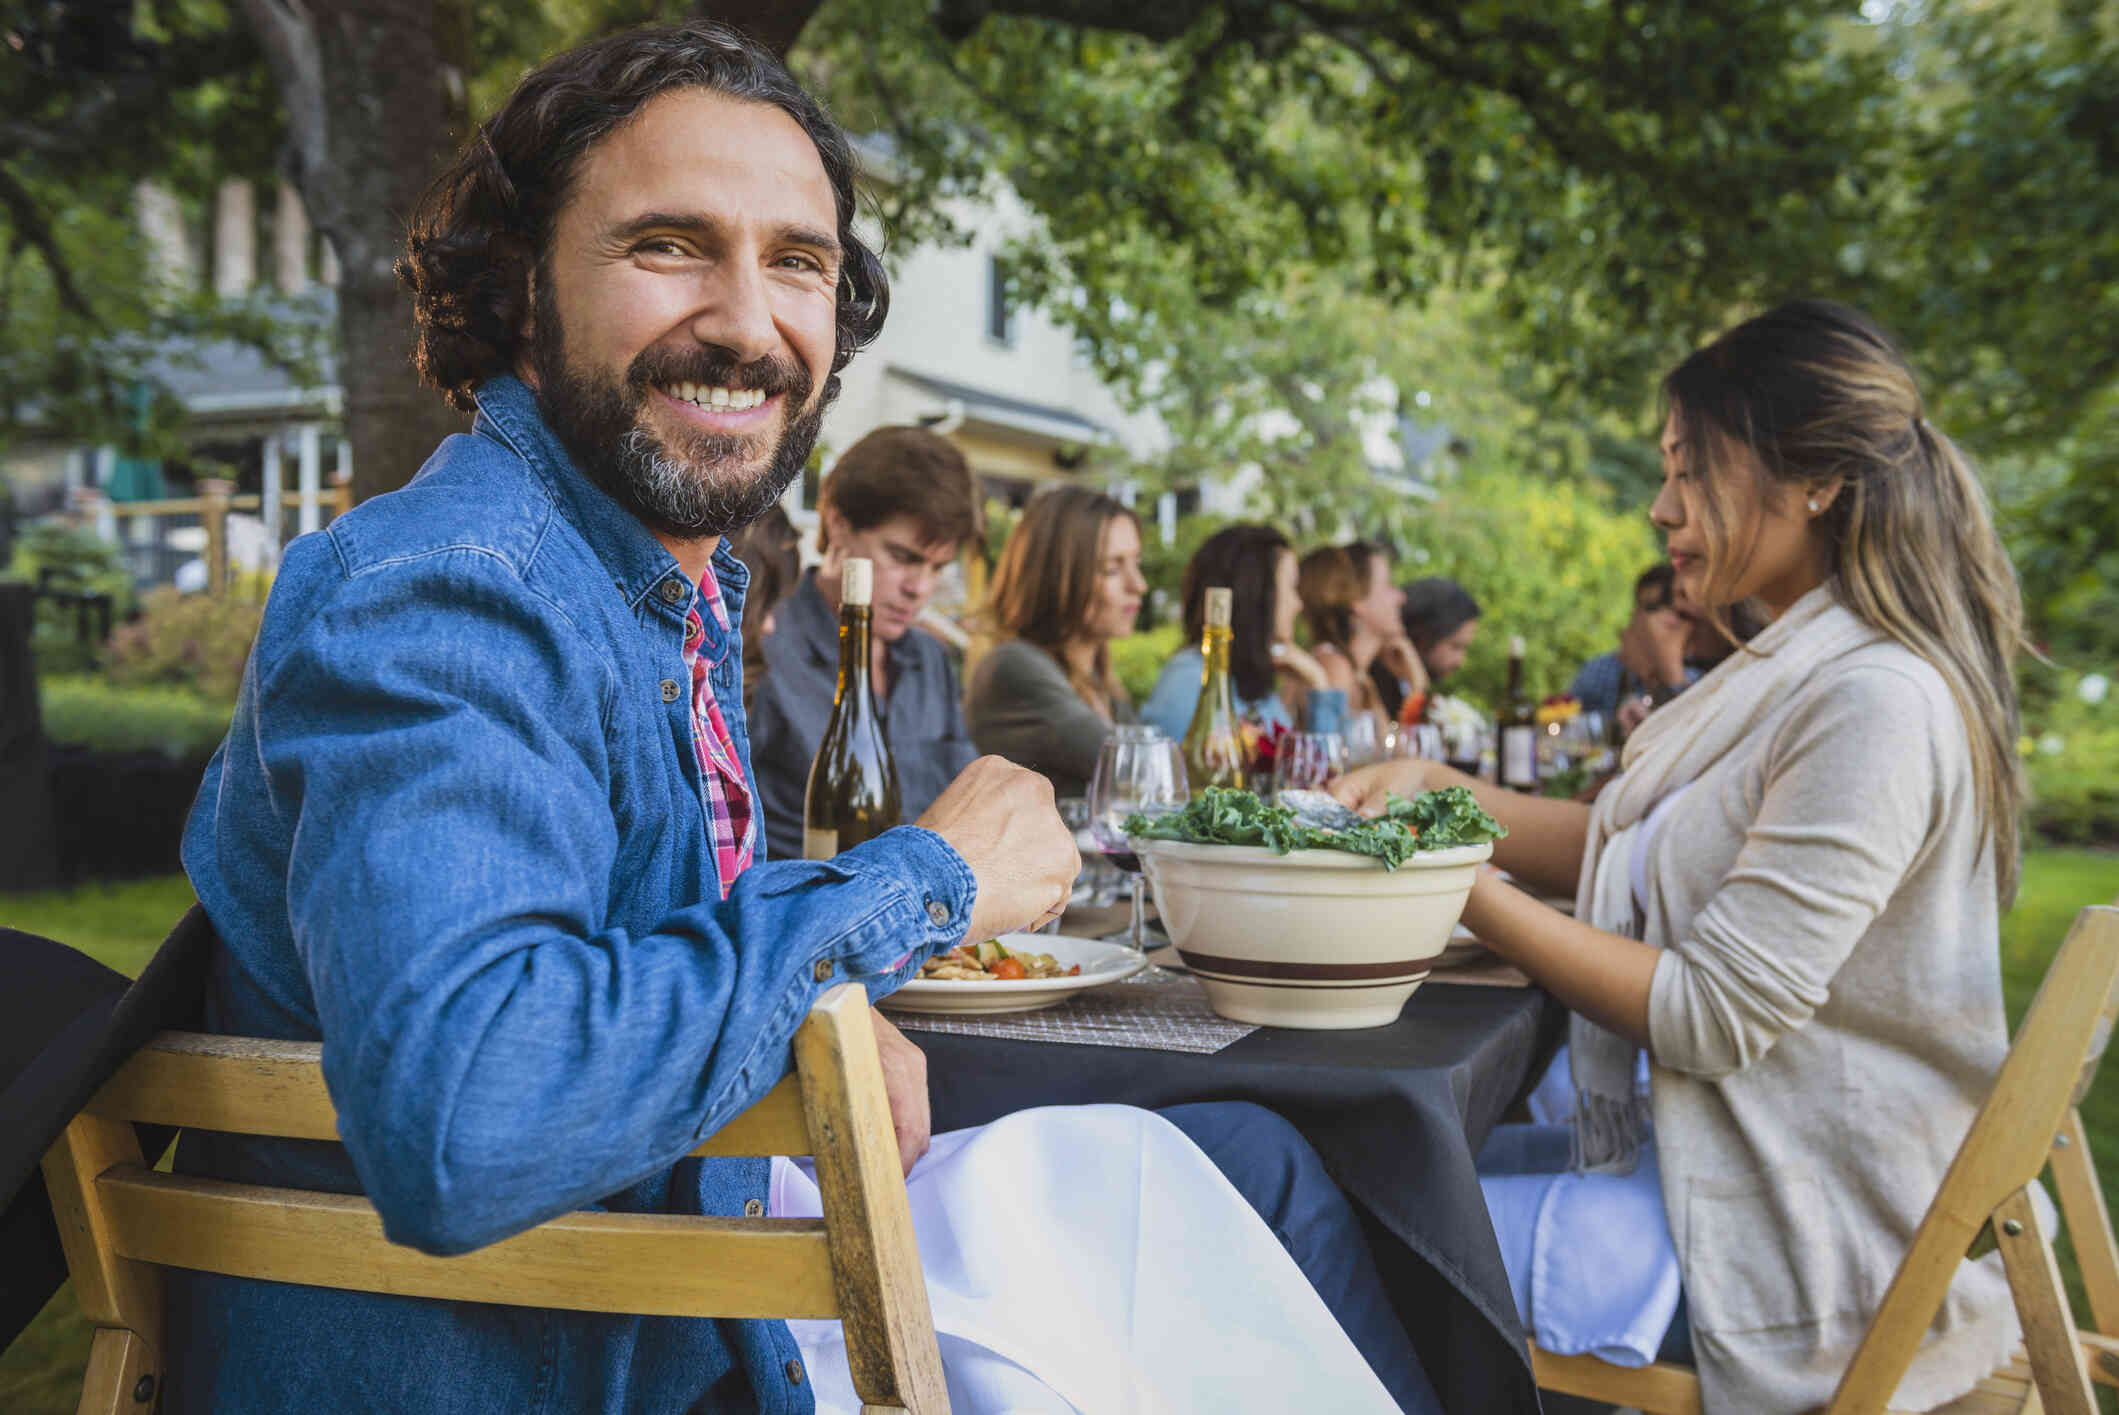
(1004, 384)
(247, 418)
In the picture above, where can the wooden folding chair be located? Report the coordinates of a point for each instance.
(121, 1221)
(2031, 1119)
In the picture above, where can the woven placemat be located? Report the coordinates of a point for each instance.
(1156, 1010)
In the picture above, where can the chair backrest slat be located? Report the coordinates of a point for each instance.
(882, 1294)
(249, 1086)
(2003, 1151)
(645, 1264)
(123, 1222)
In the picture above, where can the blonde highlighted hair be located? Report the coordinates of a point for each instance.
(1045, 584)
(1816, 393)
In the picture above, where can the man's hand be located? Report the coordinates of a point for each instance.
(1633, 712)
(905, 1081)
(1367, 789)
(1652, 646)
(1002, 820)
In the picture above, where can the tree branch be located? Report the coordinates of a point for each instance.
(1161, 21)
(30, 222)
(776, 24)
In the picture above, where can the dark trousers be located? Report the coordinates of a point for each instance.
(1280, 1175)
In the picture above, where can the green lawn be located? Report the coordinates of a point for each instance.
(122, 925)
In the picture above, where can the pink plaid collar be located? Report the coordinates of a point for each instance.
(731, 815)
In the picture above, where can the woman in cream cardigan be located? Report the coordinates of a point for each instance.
(1789, 899)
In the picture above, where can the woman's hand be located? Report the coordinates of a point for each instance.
(1367, 789)
(1402, 660)
(1292, 658)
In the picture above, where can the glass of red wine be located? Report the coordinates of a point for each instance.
(1139, 771)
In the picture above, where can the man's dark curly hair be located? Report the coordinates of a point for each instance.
(482, 226)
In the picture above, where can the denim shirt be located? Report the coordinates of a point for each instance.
(923, 715)
(456, 833)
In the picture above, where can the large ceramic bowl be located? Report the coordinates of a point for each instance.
(1315, 938)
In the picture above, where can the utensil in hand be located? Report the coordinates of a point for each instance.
(1138, 771)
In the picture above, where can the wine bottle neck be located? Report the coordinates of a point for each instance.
(853, 652)
(1214, 649)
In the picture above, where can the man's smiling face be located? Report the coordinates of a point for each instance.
(684, 313)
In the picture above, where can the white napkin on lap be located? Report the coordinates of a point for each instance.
(1090, 1259)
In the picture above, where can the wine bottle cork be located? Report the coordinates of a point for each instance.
(1515, 646)
(856, 582)
(1220, 602)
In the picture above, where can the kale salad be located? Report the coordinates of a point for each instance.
(1309, 820)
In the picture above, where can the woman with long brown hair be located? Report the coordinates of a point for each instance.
(1351, 609)
(1271, 676)
(1789, 899)
(1068, 583)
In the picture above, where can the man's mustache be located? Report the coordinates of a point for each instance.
(718, 369)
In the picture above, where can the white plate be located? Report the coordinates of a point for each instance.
(1101, 963)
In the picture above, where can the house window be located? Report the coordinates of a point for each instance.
(1000, 317)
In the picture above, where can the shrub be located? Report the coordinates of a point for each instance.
(86, 711)
(78, 560)
(2071, 757)
(186, 641)
(1550, 560)
(1138, 659)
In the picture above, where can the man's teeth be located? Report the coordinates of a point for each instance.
(734, 400)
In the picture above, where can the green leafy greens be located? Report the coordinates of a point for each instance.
(1433, 820)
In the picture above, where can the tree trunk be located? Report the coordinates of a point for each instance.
(373, 96)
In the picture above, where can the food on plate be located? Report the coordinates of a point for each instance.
(1433, 820)
(993, 962)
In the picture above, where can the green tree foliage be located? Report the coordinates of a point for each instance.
(1553, 561)
(94, 98)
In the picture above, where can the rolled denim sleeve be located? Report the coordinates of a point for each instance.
(496, 1055)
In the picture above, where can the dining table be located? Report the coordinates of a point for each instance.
(1397, 1113)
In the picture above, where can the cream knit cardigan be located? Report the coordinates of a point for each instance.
(1824, 1021)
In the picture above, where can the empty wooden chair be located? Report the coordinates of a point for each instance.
(122, 1222)
(2030, 1120)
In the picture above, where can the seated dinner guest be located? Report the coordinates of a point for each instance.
(1069, 582)
(1396, 669)
(902, 499)
(1272, 676)
(1650, 659)
(1441, 620)
(1788, 901)
(770, 549)
(485, 823)
(1351, 609)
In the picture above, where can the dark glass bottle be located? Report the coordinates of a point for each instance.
(853, 783)
(1517, 739)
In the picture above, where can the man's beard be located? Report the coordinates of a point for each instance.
(695, 489)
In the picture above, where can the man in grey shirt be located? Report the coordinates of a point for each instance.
(904, 500)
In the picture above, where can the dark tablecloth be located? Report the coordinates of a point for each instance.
(1396, 1112)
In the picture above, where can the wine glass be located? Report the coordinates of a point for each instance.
(1138, 771)
(1305, 761)
(1363, 742)
(1420, 741)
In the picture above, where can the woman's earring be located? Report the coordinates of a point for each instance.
(1814, 507)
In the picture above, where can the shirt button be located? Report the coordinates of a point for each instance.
(823, 971)
(672, 590)
(794, 1373)
(937, 912)
(754, 1208)
(670, 691)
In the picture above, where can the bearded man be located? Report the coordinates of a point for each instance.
(484, 823)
